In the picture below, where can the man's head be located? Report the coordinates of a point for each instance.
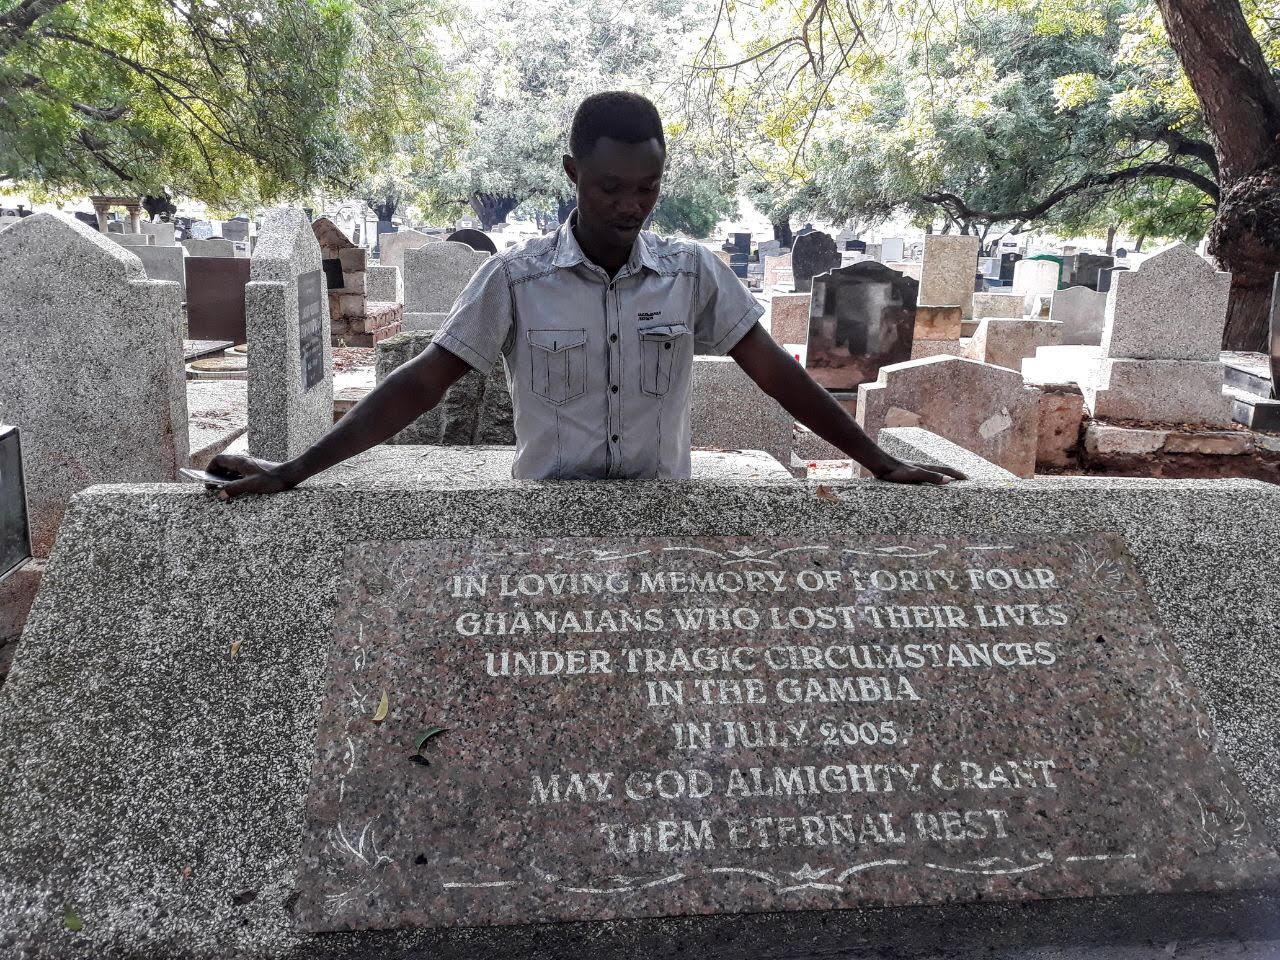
(616, 154)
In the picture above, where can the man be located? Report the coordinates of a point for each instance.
(596, 325)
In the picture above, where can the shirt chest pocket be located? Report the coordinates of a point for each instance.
(559, 364)
(662, 346)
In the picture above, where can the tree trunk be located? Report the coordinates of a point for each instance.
(492, 208)
(782, 231)
(384, 207)
(1137, 247)
(1241, 103)
(1111, 240)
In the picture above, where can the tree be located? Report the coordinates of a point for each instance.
(229, 101)
(1241, 102)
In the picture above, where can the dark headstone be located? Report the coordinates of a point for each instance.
(738, 243)
(861, 317)
(1017, 726)
(312, 326)
(1007, 263)
(1105, 278)
(812, 253)
(1083, 269)
(215, 297)
(473, 239)
(1274, 345)
(15, 532)
(856, 246)
(88, 219)
(1121, 253)
(236, 229)
(383, 226)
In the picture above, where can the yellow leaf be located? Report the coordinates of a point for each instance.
(383, 705)
(826, 493)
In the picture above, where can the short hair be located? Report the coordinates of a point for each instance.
(627, 117)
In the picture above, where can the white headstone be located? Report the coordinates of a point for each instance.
(1033, 278)
(90, 365)
(1081, 311)
(161, 231)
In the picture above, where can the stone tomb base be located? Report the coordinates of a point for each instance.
(157, 745)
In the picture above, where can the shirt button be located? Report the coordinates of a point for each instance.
(613, 338)
(614, 388)
(615, 438)
(666, 346)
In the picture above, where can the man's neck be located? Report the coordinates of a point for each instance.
(608, 258)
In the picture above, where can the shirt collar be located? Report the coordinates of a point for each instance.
(569, 254)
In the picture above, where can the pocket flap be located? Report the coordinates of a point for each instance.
(663, 331)
(554, 341)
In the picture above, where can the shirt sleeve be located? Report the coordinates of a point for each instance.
(481, 319)
(724, 309)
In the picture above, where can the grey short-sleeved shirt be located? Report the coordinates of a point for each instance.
(599, 370)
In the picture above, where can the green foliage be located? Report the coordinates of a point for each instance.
(229, 101)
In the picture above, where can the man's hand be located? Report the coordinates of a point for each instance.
(915, 473)
(256, 476)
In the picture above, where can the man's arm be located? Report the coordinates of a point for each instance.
(778, 375)
(410, 391)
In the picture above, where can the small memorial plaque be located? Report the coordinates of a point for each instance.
(312, 326)
(15, 532)
(664, 727)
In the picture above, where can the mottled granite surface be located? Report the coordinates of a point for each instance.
(156, 732)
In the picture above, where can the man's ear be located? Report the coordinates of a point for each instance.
(570, 168)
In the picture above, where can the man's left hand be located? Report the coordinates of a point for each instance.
(915, 473)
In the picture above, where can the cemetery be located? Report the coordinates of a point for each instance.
(453, 542)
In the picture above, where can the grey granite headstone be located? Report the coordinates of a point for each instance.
(383, 283)
(90, 365)
(812, 253)
(947, 279)
(161, 230)
(196, 731)
(285, 416)
(728, 411)
(213, 247)
(1082, 311)
(164, 263)
(861, 317)
(133, 239)
(236, 230)
(435, 273)
(391, 252)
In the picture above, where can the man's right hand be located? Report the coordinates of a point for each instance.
(255, 476)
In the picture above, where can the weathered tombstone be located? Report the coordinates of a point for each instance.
(383, 228)
(776, 269)
(1006, 342)
(890, 249)
(202, 230)
(983, 408)
(1003, 305)
(856, 246)
(132, 239)
(1104, 784)
(290, 358)
(436, 273)
(1081, 311)
(789, 318)
(738, 264)
(1007, 263)
(1107, 277)
(727, 411)
(1084, 269)
(383, 283)
(391, 254)
(1161, 342)
(812, 253)
(90, 365)
(164, 263)
(213, 247)
(161, 231)
(861, 318)
(950, 263)
(15, 530)
(475, 410)
(1033, 279)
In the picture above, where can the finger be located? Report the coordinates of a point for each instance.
(939, 479)
(951, 472)
(233, 463)
(238, 488)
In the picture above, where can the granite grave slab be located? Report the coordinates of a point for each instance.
(435, 273)
(950, 263)
(861, 317)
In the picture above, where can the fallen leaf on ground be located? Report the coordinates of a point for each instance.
(235, 649)
(427, 735)
(71, 921)
(383, 705)
(826, 493)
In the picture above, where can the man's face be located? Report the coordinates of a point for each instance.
(617, 187)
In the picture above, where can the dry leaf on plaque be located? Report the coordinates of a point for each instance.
(826, 493)
(235, 649)
(383, 705)
(71, 921)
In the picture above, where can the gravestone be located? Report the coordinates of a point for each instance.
(475, 410)
(1034, 279)
(738, 264)
(474, 239)
(133, 239)
(1161, 342)
(164, 263)
(215, 297)
(1083, 269)
(856, 246)
(950, 263)
(789, 318)
(812, 253)
(383, 228)
(728, 411)
(290, 358)
(1004, 305)
(90, 365)
(983, 408)
(1144, 834)
(213, 247)
(395, 244)
(383, 283)
(202, 230)
(1107, 277)
(777, 268)
(1006, 342)
(15, 530)
(1007, 263)
(161, 231)
(436, 273)
(236, 230)
(1081, 311)
(890, 249)
(861, 317)
(738, 243)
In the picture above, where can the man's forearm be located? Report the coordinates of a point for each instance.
(778, 375)
(401, 398)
